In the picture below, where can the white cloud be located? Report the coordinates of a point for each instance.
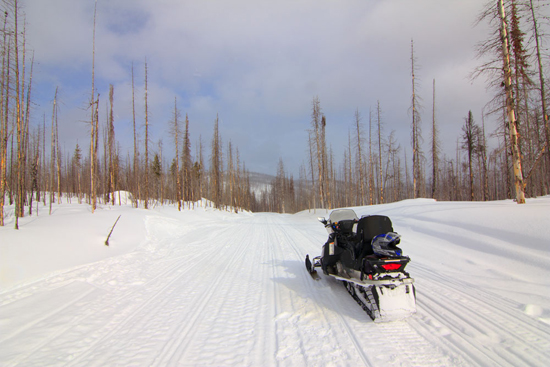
(259, 63)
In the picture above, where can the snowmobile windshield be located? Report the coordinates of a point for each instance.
(342, 214)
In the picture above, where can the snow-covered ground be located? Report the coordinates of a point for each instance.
(208, 288)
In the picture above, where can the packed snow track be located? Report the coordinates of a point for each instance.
(232, 290)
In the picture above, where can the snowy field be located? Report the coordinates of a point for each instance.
(208, 288)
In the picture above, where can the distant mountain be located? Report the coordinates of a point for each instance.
(260, 182)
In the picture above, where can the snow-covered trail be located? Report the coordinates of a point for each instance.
(233, 290)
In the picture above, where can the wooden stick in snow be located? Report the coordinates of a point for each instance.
(107, 240)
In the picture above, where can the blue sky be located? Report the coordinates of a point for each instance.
(258, 65)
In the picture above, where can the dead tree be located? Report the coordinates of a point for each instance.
(435, 149)
(379, 124)
(4, 108)
(416, 132)
(175, 133)
(19, 194)
(216, 167)
(542, 90)
(511, 115)
(111, 144)
(53, 151)
(320, 148)
(470, 144)
(370, 170)
(361, 176)
(186, 163)
(136, 185)
(93, 126)
(146, 195)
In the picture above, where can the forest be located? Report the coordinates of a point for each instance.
(35, 168)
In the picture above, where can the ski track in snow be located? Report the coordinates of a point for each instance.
(234, 291)
(477, 324)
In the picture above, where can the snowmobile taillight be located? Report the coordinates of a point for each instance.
(391, 266)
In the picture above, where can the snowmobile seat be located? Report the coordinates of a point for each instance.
(369, 227)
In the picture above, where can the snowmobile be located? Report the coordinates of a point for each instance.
(363, 254)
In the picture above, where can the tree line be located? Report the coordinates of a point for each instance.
(375, 169)
(31, 173)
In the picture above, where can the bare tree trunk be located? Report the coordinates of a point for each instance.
(349, 175)
(361, 177)
(200, 170)
(370, 172)
(484, 160)
(25, 116)
(230, 172)
(506, 155)
(58, 160)
(26, 137)
(316, 116)
(93, 131)
(407, 179)
(136, 165)
(45, 181)
(325, 174)
(111, 142)
(311, 163)
(146, 144)
(4, 120)
(512, 124)
(379, 123)
(53, 151)
(458, 183)
(542, 92)
(470, 144)
(18, 208)
(186, 166)
(414, 127)
(176, 143)
(215, 167)
(161, 180)
(238, 182)
(35, 169)
(435, 150)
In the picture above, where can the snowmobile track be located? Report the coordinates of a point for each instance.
(145, 305)
(300, 237)
(477, 322)
(178, 341)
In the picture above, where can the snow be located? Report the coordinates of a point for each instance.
(214, 288)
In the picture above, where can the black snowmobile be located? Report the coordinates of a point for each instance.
(363, 254)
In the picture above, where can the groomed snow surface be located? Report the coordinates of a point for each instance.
(203, 287)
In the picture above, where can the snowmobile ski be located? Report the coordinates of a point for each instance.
(311, 270)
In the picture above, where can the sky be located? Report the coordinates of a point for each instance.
(257, 65)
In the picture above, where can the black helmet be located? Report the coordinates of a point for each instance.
(386, 244)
